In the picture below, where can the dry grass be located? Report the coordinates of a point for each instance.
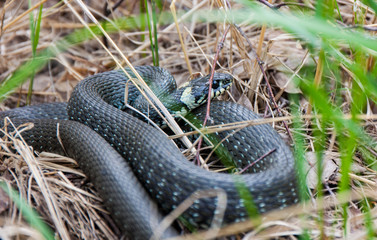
(58, 190)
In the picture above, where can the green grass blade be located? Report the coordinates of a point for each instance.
(32, 29)
(155, 37)
(245, 195)
(150, 32)
(368, 220)
(308, 28)
(298, 151)
(30, 215)
(35, 27)
(371, 3)
(142, 22)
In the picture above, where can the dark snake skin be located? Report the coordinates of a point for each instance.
(130, 162)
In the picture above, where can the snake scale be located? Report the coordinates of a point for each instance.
(155, 171)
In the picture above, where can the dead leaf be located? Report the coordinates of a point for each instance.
(330, 169)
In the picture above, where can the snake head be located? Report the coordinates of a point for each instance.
(195, 92)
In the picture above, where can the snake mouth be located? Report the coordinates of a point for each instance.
(221, 83)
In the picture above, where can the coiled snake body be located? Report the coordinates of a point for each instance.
(154, 167)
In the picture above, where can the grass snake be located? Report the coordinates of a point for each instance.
(155, 171)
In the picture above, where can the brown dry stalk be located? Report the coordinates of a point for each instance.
(23, 14)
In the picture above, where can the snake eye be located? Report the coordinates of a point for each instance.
(215, 84)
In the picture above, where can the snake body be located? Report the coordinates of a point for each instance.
(155, 170)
